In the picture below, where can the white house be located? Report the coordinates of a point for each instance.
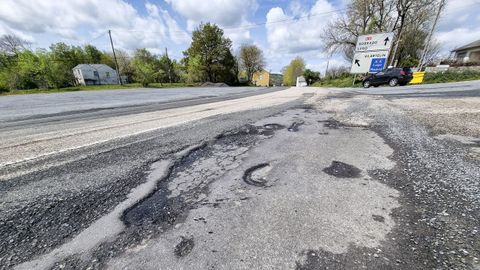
(301, 82)
(90, 74)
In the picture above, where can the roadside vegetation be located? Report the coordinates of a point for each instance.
(94, 88)
(211, 57)
(23, 70)
(451, 76)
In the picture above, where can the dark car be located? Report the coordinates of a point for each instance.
(390, 76)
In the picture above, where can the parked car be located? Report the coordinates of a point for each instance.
(390, 76)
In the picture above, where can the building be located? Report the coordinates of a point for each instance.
(261, 78)
(301, 82)
(94, 74)
(468, 53)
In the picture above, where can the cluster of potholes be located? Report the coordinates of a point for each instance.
(159, 212)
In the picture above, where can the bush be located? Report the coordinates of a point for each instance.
(451, 76)
(456, 63)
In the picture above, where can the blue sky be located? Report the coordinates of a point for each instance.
(283, 33)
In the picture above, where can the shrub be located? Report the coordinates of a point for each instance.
(451, 76)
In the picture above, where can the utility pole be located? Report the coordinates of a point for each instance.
(328, 63)
(393, 62)
(115, 58)
(427, 45)
(169, 70)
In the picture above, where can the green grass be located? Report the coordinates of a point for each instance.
(451, 76)
(430, 78)
(93, 88)
(338, 82)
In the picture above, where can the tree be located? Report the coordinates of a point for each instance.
(12, 45)
(92, 54)
(406, 18)
(144, 66)
(311, 76)
(166, 65)
(293, 70)
(251, 60)
(124, 64)
(210, 55)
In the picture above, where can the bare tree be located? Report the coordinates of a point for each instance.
(406, 18)
(251, 60)
(362, 17)
(12, 45)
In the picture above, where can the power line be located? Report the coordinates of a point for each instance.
(249, 26)
(95, 38)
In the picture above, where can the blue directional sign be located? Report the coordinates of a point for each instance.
(377, 65)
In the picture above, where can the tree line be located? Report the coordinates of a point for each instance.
(209, 58)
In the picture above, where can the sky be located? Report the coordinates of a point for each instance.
(283, 29)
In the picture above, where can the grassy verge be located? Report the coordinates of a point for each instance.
(430, 78)
(337, 82)
(451, 76)
(93, 88)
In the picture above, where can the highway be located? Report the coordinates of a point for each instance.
(242, 178)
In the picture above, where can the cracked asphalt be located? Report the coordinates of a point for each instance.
(386, 178)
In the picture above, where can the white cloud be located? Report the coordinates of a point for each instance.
(81, 20)
(457, 37)
(286, 34)
(226, 13)
(458, 24)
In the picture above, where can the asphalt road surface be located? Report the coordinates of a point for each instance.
(241, 178)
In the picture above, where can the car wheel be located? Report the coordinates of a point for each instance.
(366, 84)
(393, 82)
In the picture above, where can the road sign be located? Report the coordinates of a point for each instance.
(370, 62)
(374, 42)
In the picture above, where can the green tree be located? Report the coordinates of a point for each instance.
(168, 68)
(311, 76)
(293, 70)
(92, 54)
(209, 55)
(66, 58)
(144, 65)
(251, 60)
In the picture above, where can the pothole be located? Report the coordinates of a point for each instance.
(332, 123)
(295, 125)
(269, 129)
(184, 247)
(378, 218)
(342, 170)
(256, 175)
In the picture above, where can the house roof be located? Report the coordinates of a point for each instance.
(468, 46)
(95, 66)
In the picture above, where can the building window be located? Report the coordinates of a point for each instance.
(95, 74)
(107, 74)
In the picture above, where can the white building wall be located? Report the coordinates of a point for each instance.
(85, 74)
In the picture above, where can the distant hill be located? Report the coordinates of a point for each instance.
(276, 79)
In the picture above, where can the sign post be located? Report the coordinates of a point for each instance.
(371, 53)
